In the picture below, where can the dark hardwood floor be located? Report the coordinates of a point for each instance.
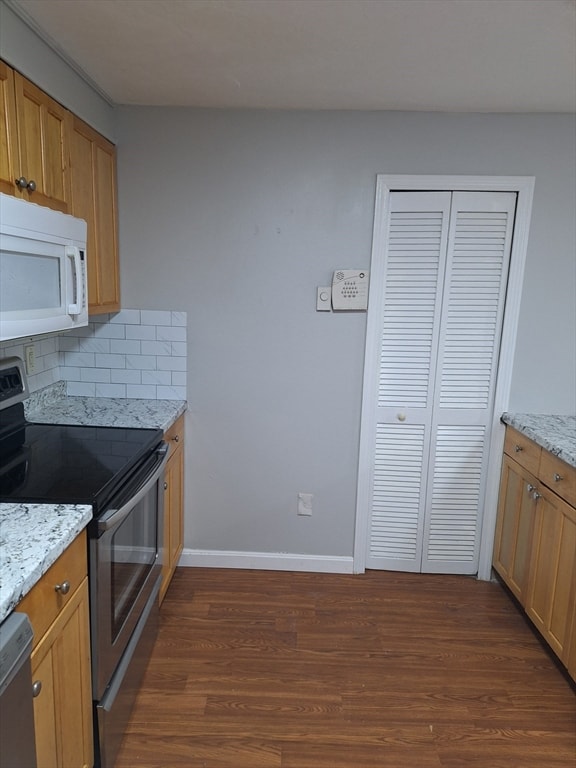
(259, 669)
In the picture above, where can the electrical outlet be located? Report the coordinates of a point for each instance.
(30, 357)
(305, 504)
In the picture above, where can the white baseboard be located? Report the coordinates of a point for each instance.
(266, 561)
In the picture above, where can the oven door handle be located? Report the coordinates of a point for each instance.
(112, 517)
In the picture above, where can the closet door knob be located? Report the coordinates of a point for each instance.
(31, 186)
(21, 182)
(36, 688)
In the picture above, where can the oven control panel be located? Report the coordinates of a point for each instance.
(13, 386)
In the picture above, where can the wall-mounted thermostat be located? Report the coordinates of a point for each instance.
(350, 289)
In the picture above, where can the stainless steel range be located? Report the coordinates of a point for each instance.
(120, 473)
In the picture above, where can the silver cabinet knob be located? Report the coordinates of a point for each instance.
(176, 438)
(518, 448)
(536, 495)
(401, 416)
(557, 477)
(165, 486)
(36, 688)
(21, 182)
(31, 186)
(63, 588)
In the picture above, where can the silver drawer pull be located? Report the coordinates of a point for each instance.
(518, 448)
(536, 495)
(36, 688)
(176, 438)
(530, 488)
(63, 588)
(557, 477)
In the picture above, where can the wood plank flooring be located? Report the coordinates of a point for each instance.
(259, 669)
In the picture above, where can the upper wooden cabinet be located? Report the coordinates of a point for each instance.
(49, 156)
(8, 136)
(93, 197)
(34, 146)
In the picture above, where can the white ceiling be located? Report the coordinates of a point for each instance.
(441, 55)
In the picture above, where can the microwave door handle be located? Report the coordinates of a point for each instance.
(113, 517)
(74, 255)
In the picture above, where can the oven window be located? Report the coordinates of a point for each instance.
(133, 553)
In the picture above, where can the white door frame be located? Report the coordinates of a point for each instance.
(385, 184)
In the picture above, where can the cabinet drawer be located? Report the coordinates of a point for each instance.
(522, 449)
(558, 476)
(43, 603)
(174, 436)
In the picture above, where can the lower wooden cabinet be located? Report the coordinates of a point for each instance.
(61, 662)
(535, 541)
(550, 598)
(173, 504)
(516, 513)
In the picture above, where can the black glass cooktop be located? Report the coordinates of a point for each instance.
(45, 463)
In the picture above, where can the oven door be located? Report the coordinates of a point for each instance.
(125, 547)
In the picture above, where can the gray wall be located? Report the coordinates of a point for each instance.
(23, 49)
(236, 217)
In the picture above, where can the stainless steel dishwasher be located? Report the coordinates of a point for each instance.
(17, 747)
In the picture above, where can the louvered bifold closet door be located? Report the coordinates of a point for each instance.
(415, 241)
(478, 257)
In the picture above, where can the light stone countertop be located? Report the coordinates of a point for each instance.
(557, 434)
(106, 412)
(32, 538)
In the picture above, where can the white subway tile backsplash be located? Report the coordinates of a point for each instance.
(179, 378)
(178, 318)
(110, 390)
(156, 347)
(125, 347)
(99, 375)
(142, 362)
(110, 331)
(156, 377)
(99, 346)
(171, 393)
(171, 363)
(69, 344)
(81, 359)
(110, 361)
(125, 377)
(145, 391)
(179, 349)
(147, 332)
(155, 317)
(133, 354)
(81, 389)
(127, 317)
(169, 333)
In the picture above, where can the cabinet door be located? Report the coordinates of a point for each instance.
(93, 198)
(63, 708)
(551, 589)
(8, 138)
(173, 505)
(43, 145)
(514, 526)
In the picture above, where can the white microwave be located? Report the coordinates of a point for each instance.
(43, 271)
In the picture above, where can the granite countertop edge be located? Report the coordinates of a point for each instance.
(554, 433)
(32, 538)
(106, 412)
